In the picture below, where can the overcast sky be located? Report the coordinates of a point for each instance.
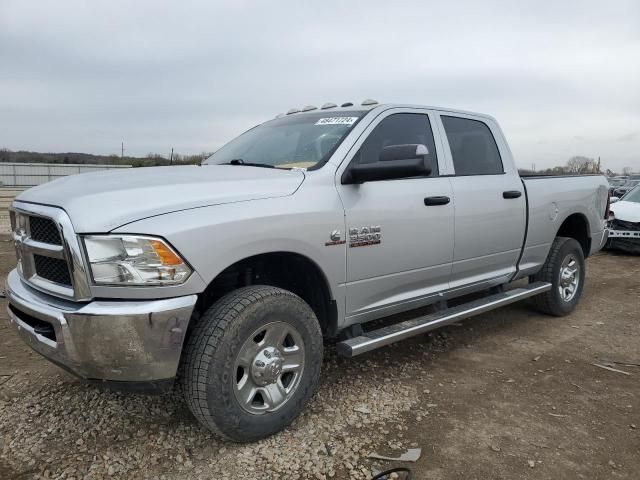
(563, 78)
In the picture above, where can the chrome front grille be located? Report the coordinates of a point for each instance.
(48, 251)
(52, 269)
(44, 230)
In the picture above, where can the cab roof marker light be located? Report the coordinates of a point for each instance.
(328, 105)
(293, 110)
(347, 104)
(369, 101)
(308, 108)
(279, 115)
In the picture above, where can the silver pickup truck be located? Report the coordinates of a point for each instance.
(228, 275)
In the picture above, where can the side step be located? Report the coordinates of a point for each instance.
(400, 331)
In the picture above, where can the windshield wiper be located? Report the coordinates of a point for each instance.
(239, 161)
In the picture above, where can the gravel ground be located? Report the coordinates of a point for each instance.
(511, 394)
(59, 428)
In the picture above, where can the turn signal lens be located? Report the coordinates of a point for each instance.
(166, 255)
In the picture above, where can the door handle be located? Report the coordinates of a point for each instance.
(430, 201)
(512, 194)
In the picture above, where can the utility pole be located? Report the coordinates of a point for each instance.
(171, 160)
(121, 150)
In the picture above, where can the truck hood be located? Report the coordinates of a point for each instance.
(626, 211)
(102, 201)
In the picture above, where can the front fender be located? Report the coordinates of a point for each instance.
(213, 238)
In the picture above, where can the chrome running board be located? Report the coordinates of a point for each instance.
(399, 331)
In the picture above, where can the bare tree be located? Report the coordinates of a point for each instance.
(627, 171)
(580, 164)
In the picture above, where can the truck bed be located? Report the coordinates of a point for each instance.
(550, 201)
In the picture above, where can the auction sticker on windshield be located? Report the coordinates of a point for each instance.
(337, 121)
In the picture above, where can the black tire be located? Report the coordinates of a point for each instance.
(213, 348)
(552, 302)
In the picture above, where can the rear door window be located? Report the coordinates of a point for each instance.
(473, 147)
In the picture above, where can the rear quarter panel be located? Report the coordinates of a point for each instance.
(551, 201)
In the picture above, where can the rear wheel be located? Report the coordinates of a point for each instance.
(252, 362)
(565, 270)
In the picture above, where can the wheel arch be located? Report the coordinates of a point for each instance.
(576, 226)
(285, 269)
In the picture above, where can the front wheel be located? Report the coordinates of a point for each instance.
(565, 270)
(252, 362)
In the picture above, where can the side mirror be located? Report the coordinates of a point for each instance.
(394, 153)
(614, 199)
(395, 161)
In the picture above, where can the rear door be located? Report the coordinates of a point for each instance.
(409, 260)
(490, 205)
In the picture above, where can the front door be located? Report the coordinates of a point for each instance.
(399, 232)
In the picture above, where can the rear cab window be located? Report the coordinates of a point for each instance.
(473, 148)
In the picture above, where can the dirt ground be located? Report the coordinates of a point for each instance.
(510, 394)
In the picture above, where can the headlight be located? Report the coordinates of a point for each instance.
(133, 260)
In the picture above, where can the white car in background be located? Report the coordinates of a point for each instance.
(624, 222)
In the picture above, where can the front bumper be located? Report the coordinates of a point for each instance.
(626, 234)
(108, 340)
(625, 240)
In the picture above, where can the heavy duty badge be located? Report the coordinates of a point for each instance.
(336, 238)
(364, 236)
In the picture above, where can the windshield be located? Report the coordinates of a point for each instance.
(293, 141)
(632, 195)
(616, 182)
(631, 183)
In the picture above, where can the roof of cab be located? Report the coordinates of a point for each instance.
(353, 107)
